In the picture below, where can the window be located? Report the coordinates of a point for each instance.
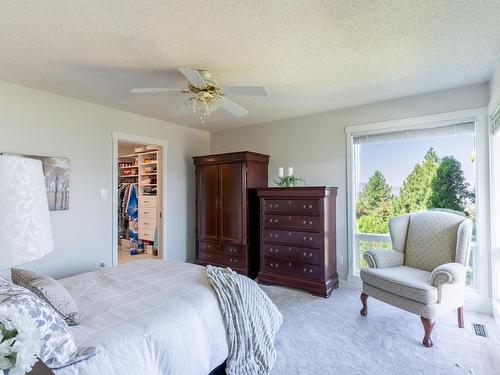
(403, 166)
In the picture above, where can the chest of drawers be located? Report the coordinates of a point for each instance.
(298, 238)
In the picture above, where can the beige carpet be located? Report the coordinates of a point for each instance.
(327, 336)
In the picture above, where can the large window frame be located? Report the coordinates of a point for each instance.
(477, 298)
(494, 136)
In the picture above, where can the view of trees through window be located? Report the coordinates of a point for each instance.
(400, 177)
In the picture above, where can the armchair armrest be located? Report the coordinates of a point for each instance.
(382, 258)
(448, 273)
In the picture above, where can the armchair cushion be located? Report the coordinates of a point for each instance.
(382, 258)
(447, 274)
(406, 282)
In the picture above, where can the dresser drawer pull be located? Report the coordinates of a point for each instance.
(231, 260)
(289, 233)
(289, 249)
(306, 239)
(307, 255)
(310, 270)
(289, 264)
(305, 269)
(273, 205)
(274, 265)
(208, 246)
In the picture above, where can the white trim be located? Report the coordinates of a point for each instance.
(495, 216)
(132, 138)
(477, 115)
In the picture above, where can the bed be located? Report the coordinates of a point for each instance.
(148, 317)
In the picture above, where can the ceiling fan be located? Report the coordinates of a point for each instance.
(208, 96)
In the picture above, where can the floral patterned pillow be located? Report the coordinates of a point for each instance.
(58, 347)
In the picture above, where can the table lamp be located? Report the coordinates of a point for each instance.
(25, 231)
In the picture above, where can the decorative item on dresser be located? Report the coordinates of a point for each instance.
(298, 238)
(227, 209)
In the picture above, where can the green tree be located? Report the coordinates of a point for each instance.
(416, 192)
(449, 187)
(374, 205)
(375, 191)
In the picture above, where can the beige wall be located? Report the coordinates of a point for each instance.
(315, 145)
(39, 123)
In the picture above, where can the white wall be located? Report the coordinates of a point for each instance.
(316, 144)
(39, 123)
(495, 87)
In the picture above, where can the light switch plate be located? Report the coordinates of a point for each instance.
(104, 194)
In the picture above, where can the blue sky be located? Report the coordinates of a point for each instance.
(397, 159)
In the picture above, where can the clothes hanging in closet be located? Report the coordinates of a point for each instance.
(129, 213)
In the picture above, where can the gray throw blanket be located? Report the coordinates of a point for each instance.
(251, 319)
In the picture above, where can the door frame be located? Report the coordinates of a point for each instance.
(133, 138)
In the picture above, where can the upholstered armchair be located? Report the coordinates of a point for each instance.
(424, 273)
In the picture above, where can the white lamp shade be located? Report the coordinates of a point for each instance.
(25, 231)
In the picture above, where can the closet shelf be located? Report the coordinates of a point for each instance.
(130, 175)
(131, 166)
(147, 184)
(153, 162)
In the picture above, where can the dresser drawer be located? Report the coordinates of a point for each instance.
(300, 206)
(147, 223)
(145, 234)
(300, 254)
(292, 222)
(292, 237)
(290, 267)
(147, 213)
(147, 201)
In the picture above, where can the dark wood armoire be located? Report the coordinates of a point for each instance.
(227, 209)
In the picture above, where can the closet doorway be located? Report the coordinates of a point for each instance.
(139, 196)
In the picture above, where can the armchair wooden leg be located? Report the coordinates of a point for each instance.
(460, 317)
(364, 310)
(428, 326)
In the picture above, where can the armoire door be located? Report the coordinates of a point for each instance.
(207, 202)
(232, 189)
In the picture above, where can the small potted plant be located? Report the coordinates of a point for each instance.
(19, 344)
(287, 181)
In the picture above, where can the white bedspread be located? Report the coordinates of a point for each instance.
(150, 317)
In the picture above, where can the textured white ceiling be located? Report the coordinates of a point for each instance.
(313, 56)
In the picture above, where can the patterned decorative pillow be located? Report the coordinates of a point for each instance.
(58, 347)
(50, 290)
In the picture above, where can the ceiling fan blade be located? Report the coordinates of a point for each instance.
(232, 107)
(152, 90)
(184, 110)
(244, 90)
(193, 76)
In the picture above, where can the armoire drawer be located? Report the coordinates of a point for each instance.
(220, 259)
(221, 249)
(147, 224)
(292, 237)
(300, 206)
(291, 267)
(292, 221)
(147, 213)
(147, 201)
(301, 254)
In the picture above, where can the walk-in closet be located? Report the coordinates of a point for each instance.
(139, 202)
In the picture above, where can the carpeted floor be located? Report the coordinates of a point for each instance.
(328, 336)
